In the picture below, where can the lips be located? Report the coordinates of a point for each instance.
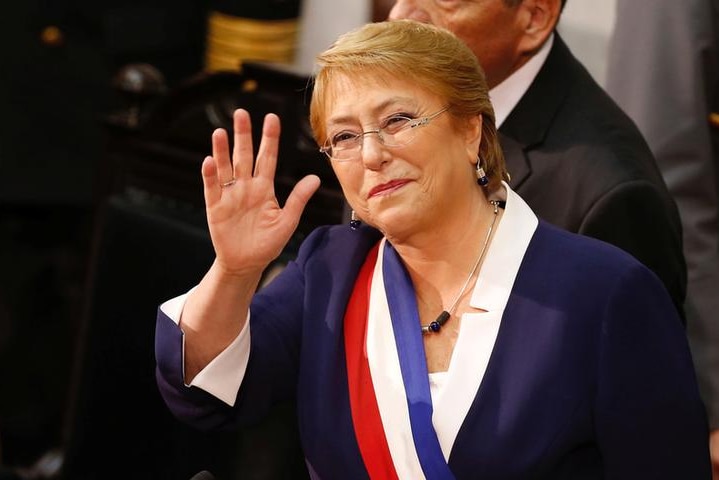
(387, 188)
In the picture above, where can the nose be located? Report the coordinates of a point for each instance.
(408, 9)
(373, 151)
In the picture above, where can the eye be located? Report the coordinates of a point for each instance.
(396, 122)
(344, 139)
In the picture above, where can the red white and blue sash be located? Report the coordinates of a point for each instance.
(369, 428)
(363, 404)
(401, 434)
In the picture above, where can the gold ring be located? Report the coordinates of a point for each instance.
(228, 184)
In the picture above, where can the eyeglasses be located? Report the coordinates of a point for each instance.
(395, 131)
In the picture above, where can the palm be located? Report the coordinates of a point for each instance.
(247, 225)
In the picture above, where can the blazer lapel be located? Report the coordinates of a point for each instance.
(530, 121)
(515, 159)
(526, 396)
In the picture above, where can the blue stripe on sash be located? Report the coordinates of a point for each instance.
(413, 364)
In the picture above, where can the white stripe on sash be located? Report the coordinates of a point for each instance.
(387, 380)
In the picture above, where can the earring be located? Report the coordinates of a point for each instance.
(354, 221)
(482, 179)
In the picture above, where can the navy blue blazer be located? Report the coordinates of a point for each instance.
(590, 376)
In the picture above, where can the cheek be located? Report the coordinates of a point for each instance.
(432, 178)
(343, 171)
(350, 179)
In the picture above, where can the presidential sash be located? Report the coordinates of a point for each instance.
(369, 429)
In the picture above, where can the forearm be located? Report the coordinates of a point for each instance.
(214, 314)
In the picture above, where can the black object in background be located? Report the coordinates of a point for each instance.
(146, 251)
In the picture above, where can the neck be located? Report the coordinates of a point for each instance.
(439, 270)
(446, 313)
(448, 247)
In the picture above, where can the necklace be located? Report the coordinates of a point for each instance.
(442, 318)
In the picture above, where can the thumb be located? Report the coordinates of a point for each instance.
(300, 195)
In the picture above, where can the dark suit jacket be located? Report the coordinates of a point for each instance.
(581, 164)
(590, 376)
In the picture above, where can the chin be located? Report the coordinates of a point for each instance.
(396, 224)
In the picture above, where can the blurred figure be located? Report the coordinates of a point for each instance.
(572, 154)
(663, 70)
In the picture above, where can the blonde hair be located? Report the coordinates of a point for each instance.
(432, 57)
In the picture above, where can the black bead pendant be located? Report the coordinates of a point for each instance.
(435, 326)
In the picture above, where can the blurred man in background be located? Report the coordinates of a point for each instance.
(572, 153)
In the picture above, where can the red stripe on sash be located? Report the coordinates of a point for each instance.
(363, 403)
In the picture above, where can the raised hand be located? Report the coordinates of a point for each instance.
(248, 227)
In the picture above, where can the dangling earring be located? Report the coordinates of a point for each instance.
(482, 179)
(354, 221)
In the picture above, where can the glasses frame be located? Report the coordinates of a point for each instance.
(359, 138)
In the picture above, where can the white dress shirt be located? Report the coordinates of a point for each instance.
(507, 94)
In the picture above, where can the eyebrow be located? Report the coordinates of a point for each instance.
(381, 106)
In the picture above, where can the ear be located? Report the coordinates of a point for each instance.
(538, 19)
(474, 137)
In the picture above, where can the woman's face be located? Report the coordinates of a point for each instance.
(405, 189)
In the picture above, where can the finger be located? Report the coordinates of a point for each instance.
(242, 155)
(266, 164)
(210, 181)
(300, 195)
(221, 154)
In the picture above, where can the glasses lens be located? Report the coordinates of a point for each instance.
(344, 155)
(398, 131)
(343, 146)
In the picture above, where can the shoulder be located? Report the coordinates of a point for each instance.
(566, 117)
(568, 248)
(583, 140)
(584, 111)
(587, 286)
(583, 268)
(334, 251)
(326, 265)
(337, 242)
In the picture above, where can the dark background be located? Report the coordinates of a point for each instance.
(54, 90)
(101, 220)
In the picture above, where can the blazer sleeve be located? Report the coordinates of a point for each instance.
(276, 316)
(649, 418)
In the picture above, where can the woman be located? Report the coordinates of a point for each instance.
(446, 332)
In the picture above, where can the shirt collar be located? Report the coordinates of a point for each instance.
(507, 94)
(505, 253)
